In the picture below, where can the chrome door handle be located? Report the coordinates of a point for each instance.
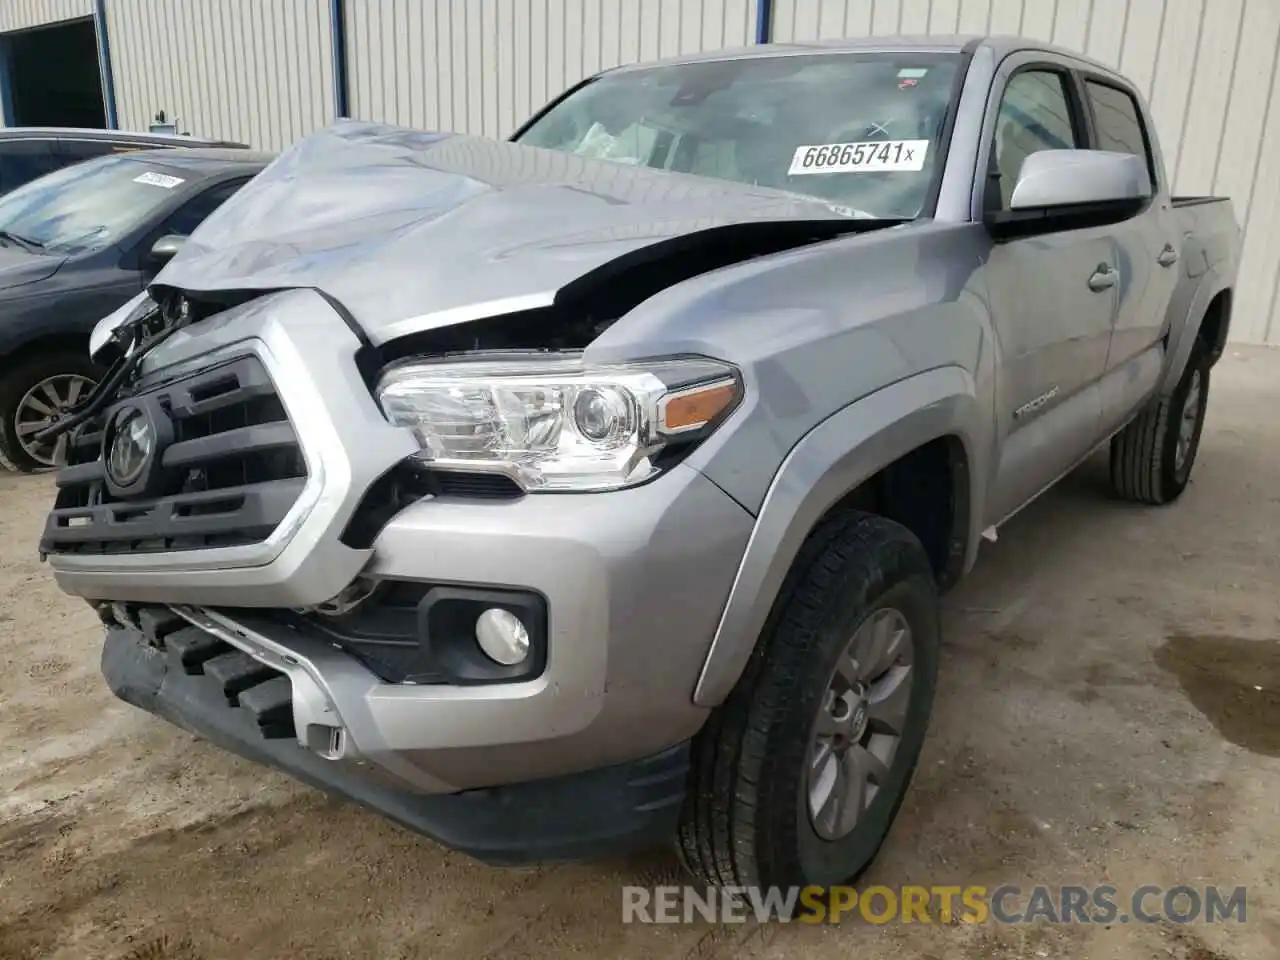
(1104, 278)
(1168, 256)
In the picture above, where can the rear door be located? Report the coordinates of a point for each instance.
(1147, 245)
(1052, 294)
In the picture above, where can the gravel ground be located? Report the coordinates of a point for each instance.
(1109, 712)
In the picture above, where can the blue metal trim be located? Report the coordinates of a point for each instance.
(6, 81)
(764, 21)
(338, 40)
(104, 63)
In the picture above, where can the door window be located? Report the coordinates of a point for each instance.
(185, 220)
(1118, 123)
(1035, 114)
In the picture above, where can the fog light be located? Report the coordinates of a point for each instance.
(502, 636)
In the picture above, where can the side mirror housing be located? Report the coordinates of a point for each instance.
(164, 249)
(1062, 189)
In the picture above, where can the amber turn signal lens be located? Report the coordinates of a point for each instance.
(697, 407)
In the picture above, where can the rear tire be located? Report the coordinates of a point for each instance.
(17, 383)
(1151, 458)
(755, 813)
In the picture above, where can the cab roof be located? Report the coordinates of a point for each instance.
(999, 45)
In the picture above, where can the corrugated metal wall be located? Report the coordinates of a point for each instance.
(21, 14)
(483, 66)
(257, 71)
(1207, 67)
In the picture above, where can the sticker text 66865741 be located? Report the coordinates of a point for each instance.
(873, 156)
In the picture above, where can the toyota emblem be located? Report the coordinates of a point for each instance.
(133, 441)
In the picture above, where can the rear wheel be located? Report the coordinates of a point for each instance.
(1151, 458)
(799, 774)
(33, 394)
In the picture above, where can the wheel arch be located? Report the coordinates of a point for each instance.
(875, 446)
(1207, 321)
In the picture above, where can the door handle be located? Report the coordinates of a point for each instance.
(1104, 278)
(1168, 256)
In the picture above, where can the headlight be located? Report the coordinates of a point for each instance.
(557, 423)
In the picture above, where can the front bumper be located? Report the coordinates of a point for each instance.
(596, 813)
(634, 582)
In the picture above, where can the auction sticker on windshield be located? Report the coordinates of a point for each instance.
(874, 156)
(158, 180)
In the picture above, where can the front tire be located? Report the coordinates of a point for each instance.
(837, 695)
(1151, 458)
(31, 392)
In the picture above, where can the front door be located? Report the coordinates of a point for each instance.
(1052, 299)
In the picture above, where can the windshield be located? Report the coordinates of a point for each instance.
(84, 207)
(861, 130)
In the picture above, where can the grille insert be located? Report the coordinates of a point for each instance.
(233, 470)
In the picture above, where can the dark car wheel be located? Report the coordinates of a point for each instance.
(798, 776)
(33, 392)
(1151, 458)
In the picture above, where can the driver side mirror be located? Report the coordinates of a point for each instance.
(164, 249)
(1072, 189)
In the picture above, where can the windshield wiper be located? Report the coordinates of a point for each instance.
(28, 242)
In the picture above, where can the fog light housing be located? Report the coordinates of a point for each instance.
(475, 635)
(502, 636)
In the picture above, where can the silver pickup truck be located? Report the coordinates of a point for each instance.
(597, 487)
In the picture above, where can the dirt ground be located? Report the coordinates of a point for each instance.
(1109, 712)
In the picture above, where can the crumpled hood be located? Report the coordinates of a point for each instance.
(410, 231)
(19, 267)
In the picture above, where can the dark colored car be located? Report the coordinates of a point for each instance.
(30, 152)
(75, 245)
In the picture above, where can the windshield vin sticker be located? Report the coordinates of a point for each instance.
(158, 180)
(874, 156)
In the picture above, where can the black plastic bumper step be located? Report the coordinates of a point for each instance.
(271, 705)
(237, 672)
(158, 622)
(194, 647)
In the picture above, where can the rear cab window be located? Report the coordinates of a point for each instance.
(863, 131)
(1118, 124)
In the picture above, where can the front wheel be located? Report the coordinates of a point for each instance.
(798, 776)
(33, 393)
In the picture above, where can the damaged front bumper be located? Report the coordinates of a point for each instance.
(584, 753)
(602, 811)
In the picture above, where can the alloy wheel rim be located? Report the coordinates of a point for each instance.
(40, 407)
(860, 723)
(1187, 422)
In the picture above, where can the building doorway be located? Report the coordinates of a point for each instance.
(53, 76)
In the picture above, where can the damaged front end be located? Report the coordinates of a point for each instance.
(383, 316)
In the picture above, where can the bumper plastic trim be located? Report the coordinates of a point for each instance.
(601, 812)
